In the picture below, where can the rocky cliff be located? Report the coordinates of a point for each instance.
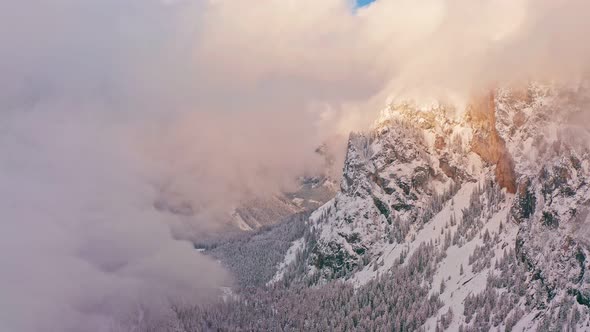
(500, 190)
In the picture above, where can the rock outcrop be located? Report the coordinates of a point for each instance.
(487, 143)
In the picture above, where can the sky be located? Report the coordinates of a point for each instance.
(362, 3)
(108, 105)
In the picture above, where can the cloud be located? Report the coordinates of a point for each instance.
(105, 105)
(81, 242)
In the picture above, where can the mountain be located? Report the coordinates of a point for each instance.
(447, 218)
(312, 192)
(255, 211)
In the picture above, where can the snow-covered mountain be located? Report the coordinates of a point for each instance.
(497, 192)
(470, 219)
(312, 192)
(256, 211)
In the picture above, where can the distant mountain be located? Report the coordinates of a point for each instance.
(258, 211)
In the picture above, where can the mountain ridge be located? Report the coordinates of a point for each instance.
(417, 167)
(446, 219)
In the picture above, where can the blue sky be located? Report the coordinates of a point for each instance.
(361, 3)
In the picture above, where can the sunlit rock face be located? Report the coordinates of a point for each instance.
(486, 141)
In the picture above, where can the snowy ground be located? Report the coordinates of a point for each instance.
(459, 286)
(429, 232)
(296, 246)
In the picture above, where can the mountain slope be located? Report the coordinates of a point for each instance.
(500, 191)
(472, 219)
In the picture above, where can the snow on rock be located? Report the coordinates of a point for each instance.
(296, 247)
(503, 198)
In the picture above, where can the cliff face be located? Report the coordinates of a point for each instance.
(487, 143)
(499, 192)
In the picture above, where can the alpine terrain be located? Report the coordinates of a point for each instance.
(447, 218)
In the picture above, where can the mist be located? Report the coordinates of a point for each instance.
(106, 105)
